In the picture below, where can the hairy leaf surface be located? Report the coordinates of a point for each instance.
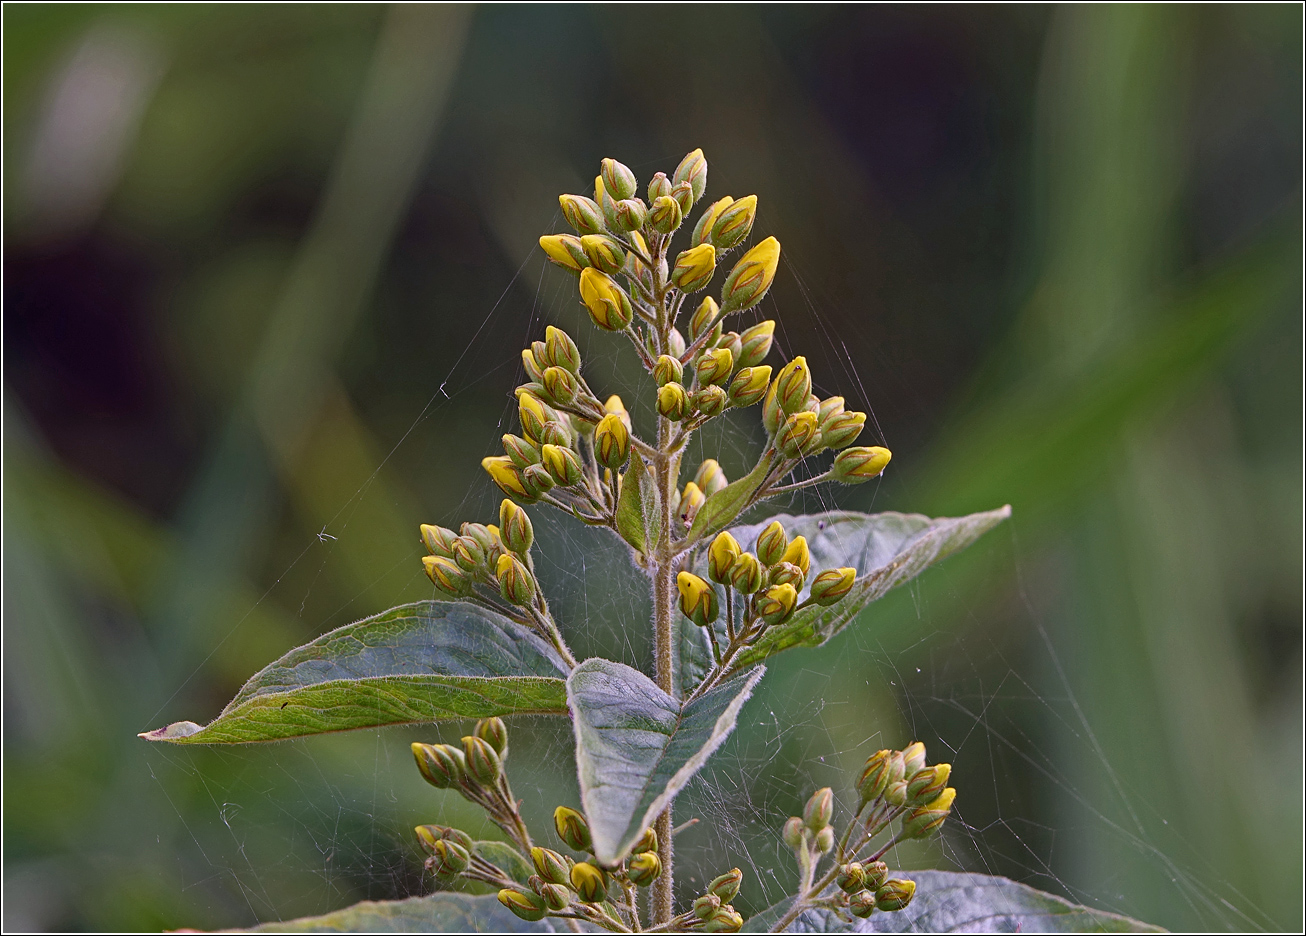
(442, 912)
(420, 662)
(886, 549)
(952, 902)
(637, 747)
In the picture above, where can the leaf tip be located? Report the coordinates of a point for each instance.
(174, 732)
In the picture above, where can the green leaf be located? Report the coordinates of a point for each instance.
(729, 502)
(637, 747)
(638, 518)
(420, 662)
(886, 549)
(949, 902)
(441, 912)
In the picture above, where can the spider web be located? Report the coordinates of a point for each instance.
(313, 825)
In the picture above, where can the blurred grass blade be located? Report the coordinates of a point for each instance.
(416, 663)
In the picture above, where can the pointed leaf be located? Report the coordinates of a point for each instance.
(951, 902)
(637, 747)
(441, 912)
(722, 507)
(416, 663)
(886, 549)
(638, 518)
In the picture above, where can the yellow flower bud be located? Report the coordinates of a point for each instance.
(751, 277)
(819, 810)
(438, 540)
(608, 304)
(560, 386)
(927, 819)
(531, 366)
(786, 573)
(665, 215)
(572, 828)
(582, 213)
(560, 350)
(694, 268)
(516, 583)
(528, 906)
(721, 555)
(798, 553)
(709, 401)
(746, 574)
(673, 401)
(658, 186)
(927, 784)
(691, 500)
(589, 882)
(749, 385)
(549, 865)
(693, 169)
(756, 343)
(648, 842)
(565, 250)
(797, 434)
(698, 600)
(562, 463)
(515, 529)
(532, 413)
(714, 367)
(861, 904)
(614, 405)
(483, 763)
(793, 385)
(875, 775)
(771, 543)
(447, 576)
(733, 223)
(860, 463)
(709, 477)
(894, 894)
(618, 180)
(604, 253)
(704, 316)
(703, 230)
(668, 370)
(611, 441)
(644, 868)
(440, 765)
(913, 759)
(777, 603)
(726, 886)
(468, 553)
(842, 429)
(832, 584)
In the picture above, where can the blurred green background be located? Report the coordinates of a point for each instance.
(267, 270)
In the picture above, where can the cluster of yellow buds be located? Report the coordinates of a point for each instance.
(480, 554)
(812, 834)
(476, 771)
(802, 424)
(712, 911)
(769, 579)
(560, 882)
(473, 769)
(902, 781)
(866, 888)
